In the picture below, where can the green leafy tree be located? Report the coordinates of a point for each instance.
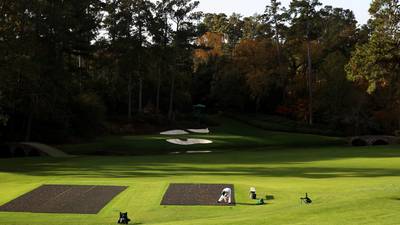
(142, 20)
(338, 38)
(275, 17)
(375, 64)
(44, 44)
(128, 23)
(161, 32)
(183, 16)
(3, 116)
(305, 17)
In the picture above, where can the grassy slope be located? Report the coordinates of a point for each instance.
(348, 185)
(231, 134)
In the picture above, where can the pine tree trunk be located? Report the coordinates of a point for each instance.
(130, 97)
(158, 91)
(29, 127)
(140, 106)
(140, 95)
(309, 78)
(171, 98)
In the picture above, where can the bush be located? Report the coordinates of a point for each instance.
(5, 151)
(277, 123)
(19, 152)
(33, 152)
(88, 114)
(380, 142)
(358, 142)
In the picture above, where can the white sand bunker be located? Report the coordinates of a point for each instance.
(190, 141)
(200, 131)
(174, 132)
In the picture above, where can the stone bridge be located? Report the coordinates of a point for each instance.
(374, 140)
(30, 149)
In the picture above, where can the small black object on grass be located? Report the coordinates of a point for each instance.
(260, 201)
(306, 199)
(123, 218)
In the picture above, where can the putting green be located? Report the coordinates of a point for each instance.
(348, 186)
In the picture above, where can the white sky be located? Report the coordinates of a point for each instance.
(250, 7)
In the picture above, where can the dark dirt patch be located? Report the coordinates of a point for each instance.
(195, 194)
(64, 199)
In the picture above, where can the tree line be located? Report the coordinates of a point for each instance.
(68, 66)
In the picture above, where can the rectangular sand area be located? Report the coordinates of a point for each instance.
(75, 199)
(195, 194)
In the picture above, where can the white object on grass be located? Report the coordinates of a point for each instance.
(174, 132)
(174, 153)
(198, 152)
(190, 141)
(200, 131)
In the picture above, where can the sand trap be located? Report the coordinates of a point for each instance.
(190, 141)
(200, 131)
(174, 132)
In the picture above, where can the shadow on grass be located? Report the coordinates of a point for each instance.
(269, 197)
(247, 204)
(277, 163)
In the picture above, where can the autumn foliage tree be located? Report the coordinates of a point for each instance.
(257, 60)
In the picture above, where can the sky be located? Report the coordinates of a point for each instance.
(250, 7)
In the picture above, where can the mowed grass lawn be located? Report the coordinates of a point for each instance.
(348, 185)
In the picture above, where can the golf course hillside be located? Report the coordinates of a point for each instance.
(229, 135)
(347, 185)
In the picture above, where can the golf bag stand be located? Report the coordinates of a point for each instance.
(306, 200)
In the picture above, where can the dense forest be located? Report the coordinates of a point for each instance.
(69, 66)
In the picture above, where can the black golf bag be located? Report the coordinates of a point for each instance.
(123, 218)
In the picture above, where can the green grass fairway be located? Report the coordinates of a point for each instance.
(349, 186)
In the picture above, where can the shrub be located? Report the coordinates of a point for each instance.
(358, 142)
(5, 151)
(19, 152)
(380, 142)
(88, 114)
(33, 152)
